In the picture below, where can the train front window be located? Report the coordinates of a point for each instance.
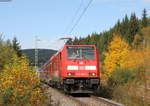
(81, 52)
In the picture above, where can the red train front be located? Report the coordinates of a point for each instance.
(75, 69)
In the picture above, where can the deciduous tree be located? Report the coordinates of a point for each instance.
(115, 57)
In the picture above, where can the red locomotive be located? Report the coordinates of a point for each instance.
(75, 68)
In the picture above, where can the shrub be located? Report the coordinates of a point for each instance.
(121, 77)
(19, 85)
(132, 94)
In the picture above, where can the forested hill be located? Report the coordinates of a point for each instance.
(129, 28)
(43, 55)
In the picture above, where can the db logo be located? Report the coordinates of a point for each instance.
(81, 68)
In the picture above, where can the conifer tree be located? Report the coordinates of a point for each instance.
(16, 46)
(75, 41)
(118, 26)
(125, 27)
(144, 18)
(133, 28)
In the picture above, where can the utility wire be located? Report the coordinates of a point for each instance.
(75, 15)
(78, 20)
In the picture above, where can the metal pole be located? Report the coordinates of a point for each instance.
(35, 61)
(36, 52)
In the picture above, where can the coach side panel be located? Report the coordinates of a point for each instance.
(55, 70)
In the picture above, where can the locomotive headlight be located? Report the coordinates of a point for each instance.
(92, 74)
(72, 67)
(70, 73)
(90, 67)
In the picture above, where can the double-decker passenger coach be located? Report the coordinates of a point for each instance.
(75, 68)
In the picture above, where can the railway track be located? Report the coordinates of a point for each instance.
(97, 101)
(78, 100)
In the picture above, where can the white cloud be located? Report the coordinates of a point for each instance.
(53, 43)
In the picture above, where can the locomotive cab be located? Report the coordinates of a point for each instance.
(81, 69)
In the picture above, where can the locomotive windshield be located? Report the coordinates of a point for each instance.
(81, 52)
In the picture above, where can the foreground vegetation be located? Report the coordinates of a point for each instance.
(19, 85)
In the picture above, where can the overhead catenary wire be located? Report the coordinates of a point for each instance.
(78, 20)
(75, 16)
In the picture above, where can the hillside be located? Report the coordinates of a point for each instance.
(43, 55)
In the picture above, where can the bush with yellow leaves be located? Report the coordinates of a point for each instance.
(19, 85)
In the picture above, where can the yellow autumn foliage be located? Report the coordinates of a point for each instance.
(119, 56)
(138, 58)
(19, 82)
(6, 54)
(135, 58)
(115, 57)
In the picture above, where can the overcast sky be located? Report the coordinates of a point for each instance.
(52, 19)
